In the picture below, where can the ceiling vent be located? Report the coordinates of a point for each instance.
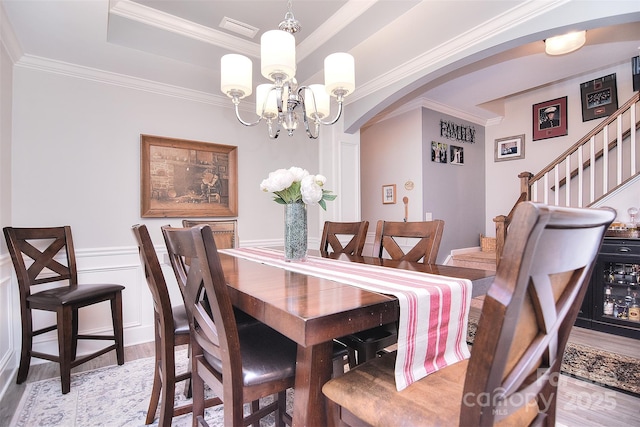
(238, 27)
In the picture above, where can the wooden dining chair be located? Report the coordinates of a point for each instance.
(367, 344)
(512, 375)
(47, 255)
(171, 330)
(333, 231)
(425, 249)
(225, 232)
(240, 364)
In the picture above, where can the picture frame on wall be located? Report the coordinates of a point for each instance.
(599, 97)
(510, 148)
(456, 154)
(388, 194)
(550, 119)
(181, 178)
(438, 152)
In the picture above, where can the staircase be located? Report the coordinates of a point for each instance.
(603, 161)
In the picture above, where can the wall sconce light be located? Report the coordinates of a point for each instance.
(559, 45)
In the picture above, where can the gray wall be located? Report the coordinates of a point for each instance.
(454, 193)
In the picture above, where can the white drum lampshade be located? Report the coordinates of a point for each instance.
(339, 73)
(322, 101)
(236, 75)
(278, 54)
(271, 108)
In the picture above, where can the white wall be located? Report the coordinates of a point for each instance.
(9, 316)
(391, 153)
(74, 159)
(502, 182)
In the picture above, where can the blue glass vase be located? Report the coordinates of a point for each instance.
(295, 231)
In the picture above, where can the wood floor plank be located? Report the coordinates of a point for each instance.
(580, 403)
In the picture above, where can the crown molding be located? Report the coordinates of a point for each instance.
(332, 26)
(437, 107)
(93, 74)
(456, 47)
(8, 37)
(149, 16)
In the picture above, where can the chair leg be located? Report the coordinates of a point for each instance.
(168, 386)
(282, 408)
(338, 367)
(74, 333)
(157, 382)
(25, 352)
(116, 316)
(188, 392)
(351, 357)
(65, 346)
(197, 385)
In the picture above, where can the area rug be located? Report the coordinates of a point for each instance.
(591, 364)
(110, 396)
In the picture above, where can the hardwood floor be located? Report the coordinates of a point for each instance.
(580, 403)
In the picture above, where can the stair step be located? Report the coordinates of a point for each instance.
(483, 260)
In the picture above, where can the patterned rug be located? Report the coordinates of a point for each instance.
(124, 390)
(591, 364)
(122, 400)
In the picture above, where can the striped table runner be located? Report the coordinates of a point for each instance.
(433, 309)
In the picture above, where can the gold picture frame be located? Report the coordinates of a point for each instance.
(388, 194)
(182, 178)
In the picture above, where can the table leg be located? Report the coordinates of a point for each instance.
(313, 368)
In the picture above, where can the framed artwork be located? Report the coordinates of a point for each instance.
(510, 148)
(181, 178)
(388, 194)
(599, 97)
(438, 152)
(456, 155)
(550, 119)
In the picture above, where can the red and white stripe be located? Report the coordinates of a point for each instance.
(433, 309)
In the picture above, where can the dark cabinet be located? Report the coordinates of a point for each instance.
(615, 277)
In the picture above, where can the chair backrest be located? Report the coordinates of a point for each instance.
(206, 298)
(35, 256)
(155, 280)
(529, 311)
(429, 234)
(225, 232)
(330, 242)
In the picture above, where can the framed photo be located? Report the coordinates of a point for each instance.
(510, 148)
(599, 97)
(181, 178)
(550, 119)
(388, 194)
(457, 155)
(438, 152)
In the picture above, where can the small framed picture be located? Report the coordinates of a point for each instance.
(599, 97)
(550, 119)
(457, 155)
(438, 152)
(388, 194)
(510, 148)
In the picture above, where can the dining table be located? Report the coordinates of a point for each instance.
(313, 311)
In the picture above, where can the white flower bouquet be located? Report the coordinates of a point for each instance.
(296, 184)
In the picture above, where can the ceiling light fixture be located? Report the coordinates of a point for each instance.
(277, 102)
(566, 43)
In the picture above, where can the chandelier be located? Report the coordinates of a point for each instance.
(282, 103)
